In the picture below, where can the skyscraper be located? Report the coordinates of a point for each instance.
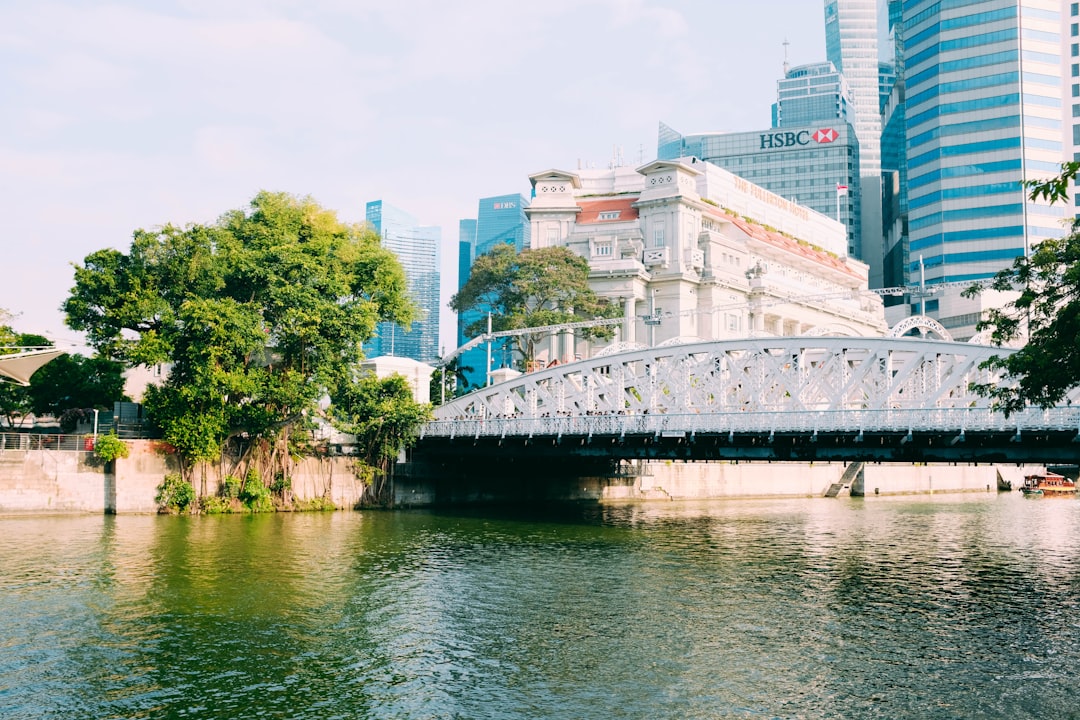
(1074, 74)
(851, 45)
(417, 248)
(894, 210)
(811, 94)
(500, 220)
(983, 104)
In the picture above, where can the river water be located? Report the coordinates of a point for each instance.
(945, 606)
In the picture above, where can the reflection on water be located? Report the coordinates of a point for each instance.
(942, 606)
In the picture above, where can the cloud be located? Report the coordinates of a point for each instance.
(122, 113)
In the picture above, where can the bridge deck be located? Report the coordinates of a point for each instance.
(945, 435)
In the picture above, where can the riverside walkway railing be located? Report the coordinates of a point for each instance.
(934, 420)
(22, 442)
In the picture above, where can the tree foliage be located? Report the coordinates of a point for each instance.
(64, 384)
(1046, 310)
(450, 380)
(258, 315)
(383, 416)
(14, 398)
(534, 288)
(7, 335)
(71, 382)
(1055, 189)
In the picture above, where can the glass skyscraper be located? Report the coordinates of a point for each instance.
(417, 248)
(501, 220)
(466, 246)
(894, 164)
(851, 45)
(1074, 76)
(886, 80)
(811, 94)
(983, 106)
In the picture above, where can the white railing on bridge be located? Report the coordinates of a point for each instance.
(937, 420)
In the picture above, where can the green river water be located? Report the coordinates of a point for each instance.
(945, 606)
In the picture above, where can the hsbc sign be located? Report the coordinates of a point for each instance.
(775, 141)
(825, 135)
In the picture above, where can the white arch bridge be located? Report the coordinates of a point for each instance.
(793, 398)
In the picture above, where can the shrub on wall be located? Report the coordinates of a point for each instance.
(254, 494)
(108, 448)
(175, 494)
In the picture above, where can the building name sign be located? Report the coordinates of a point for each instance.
(503, 206)
(762, 195)
(775, 141)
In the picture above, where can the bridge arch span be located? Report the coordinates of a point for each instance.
(777, 374)
(925, 325)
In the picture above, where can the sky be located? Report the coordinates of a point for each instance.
(116, 116)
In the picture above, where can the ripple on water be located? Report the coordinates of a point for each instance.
(926, 607)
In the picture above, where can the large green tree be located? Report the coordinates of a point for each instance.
(259, 316)
(1046, 310)
(533, 288)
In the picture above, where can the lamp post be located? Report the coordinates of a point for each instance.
(653, 318)
(488, 378)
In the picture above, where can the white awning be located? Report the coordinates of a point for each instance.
(20, 366)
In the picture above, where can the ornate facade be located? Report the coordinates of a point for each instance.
(691, 252)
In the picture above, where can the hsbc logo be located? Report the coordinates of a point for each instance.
(826, 135)
(774, 141)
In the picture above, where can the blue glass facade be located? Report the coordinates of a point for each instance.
(886, 80)
(983, 111)
(501, 220)
(417, 248)
(1074, 84)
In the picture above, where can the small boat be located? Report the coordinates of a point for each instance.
(1048, 483)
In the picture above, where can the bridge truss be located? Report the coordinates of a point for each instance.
(805, 385)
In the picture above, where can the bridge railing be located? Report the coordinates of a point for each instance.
(941, 420)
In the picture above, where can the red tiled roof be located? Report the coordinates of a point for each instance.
(791, 245)
(591, 209)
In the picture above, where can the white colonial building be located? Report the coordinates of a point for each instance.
(692, 252)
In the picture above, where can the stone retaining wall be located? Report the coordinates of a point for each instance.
(57, 481)
(47, 481)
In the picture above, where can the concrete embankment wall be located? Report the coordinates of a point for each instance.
(704, 480)
(44, 481)
(61, 481)
(699, 481)
(56, 481)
